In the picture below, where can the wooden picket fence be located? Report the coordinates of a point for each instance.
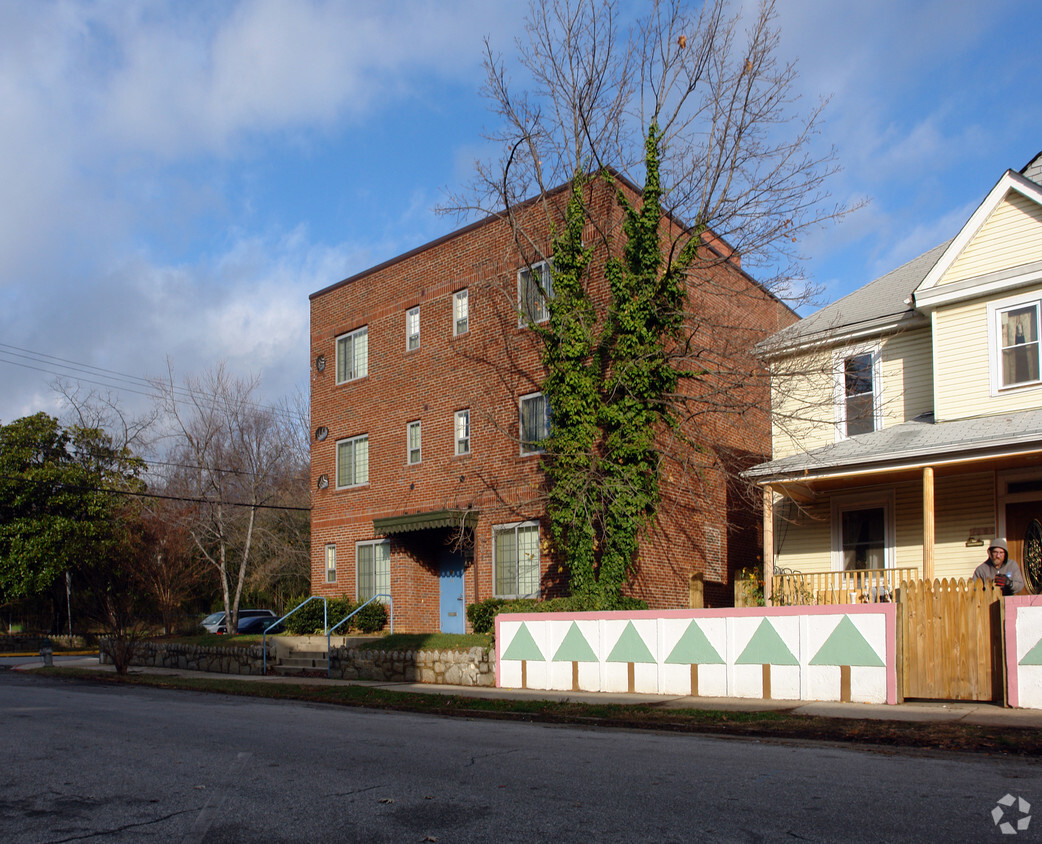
(949, 640)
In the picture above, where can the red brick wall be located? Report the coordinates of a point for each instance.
(487, 370)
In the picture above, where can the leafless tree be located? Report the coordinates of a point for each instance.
(738, 152)
(232, 457)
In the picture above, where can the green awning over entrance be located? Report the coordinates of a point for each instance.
(426, 521)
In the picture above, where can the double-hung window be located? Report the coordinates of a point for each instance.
(462, 429)
(863, 532)
(373, 565)
(858, 407)
(412, 328)
(413, 438)
(516, 558)
(534, 422)
(352, 355)
(460, 312)
(331, 563)
(534, 290)
(1015, 344)
(352, 461)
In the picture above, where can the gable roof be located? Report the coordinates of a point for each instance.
(881, 305)
(933, 291)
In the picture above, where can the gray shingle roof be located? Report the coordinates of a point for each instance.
(883, 302)
(911, 443)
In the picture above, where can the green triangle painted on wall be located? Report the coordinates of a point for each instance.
(766, 648)
(1034, 656)
(846, 646)
(694, 649)
(630, 647)
(523, 646)
(574, 647)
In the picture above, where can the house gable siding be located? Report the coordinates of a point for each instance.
(1010, 237)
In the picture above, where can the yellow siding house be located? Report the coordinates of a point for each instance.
(907, 416)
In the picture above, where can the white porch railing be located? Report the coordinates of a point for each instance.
(862, 586)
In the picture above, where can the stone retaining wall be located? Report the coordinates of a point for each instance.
(474, 667)
(194, 658)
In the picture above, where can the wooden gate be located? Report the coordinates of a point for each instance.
(950, 640)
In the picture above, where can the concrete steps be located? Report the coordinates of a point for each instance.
(299, 655)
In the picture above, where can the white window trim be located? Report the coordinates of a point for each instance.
(513, 526)
(331, 557)
(336, 467)
(537, 267)
(416, 424)
(862, 501)
(457, 297)
(336, 355)
(373, 543)
(995, 310)
(455, 432)
(839, 390)
(538, 449)
(409, 333)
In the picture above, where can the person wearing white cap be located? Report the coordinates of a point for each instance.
(1000, 569)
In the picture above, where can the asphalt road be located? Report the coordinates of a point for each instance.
(80, 762)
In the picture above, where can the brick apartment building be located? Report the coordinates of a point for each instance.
(426, 413)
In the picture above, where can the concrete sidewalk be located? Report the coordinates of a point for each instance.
(983, 714)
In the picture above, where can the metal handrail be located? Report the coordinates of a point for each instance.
(325, 621)
(355, 611)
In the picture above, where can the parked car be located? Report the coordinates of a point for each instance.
(214, 623)
(258, 624)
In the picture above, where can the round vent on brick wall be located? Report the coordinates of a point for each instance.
(323, 481)
(320, 363)
(321, 433)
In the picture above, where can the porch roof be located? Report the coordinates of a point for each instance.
(921, 442)
(430, 520)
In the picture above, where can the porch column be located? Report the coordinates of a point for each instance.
(928, 529)
(768, 543)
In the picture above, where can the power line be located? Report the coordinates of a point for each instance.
(114, 380)
(136, 494)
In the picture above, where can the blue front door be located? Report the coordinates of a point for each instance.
(453, 608)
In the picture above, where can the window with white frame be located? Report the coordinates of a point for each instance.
(863, 531)
(1015, 343)
(857, 388)
(534, 290)
(460, 312)
(331, 563)
(373, 565)
(352, 461)
(413, 438)
(534, 422)
(515, 551)
(412, 328)
(462, 428)
(352, 355)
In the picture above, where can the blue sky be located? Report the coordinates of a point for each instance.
(178, 177)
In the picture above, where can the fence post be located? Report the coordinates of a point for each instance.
(900, 600)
